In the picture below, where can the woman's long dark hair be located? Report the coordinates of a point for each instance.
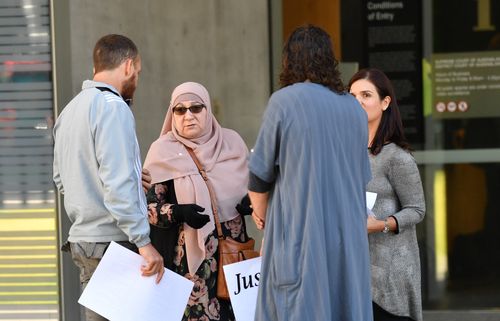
(390, 128)
(308, 55)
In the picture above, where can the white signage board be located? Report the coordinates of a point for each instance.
(242, 280)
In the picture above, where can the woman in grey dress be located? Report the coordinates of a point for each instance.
(400, 205)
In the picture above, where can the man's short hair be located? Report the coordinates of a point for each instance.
(111, 50)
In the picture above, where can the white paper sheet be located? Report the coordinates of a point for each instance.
(242, 280)
(370, 199)
(370, 202)
(118, 292)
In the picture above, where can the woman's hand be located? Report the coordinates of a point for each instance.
(190, 214)
(146, 180)
(373, 225)
(244, 207)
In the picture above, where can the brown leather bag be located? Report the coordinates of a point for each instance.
(230, 251)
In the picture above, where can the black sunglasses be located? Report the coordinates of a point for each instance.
(194, 109)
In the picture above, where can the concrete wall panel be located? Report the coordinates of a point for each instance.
(222, 44)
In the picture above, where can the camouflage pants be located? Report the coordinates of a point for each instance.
(86, 257)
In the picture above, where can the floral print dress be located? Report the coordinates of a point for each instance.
(168, 238)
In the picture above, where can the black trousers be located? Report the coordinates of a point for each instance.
(380, 314)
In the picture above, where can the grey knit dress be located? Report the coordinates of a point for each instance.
(395, 262)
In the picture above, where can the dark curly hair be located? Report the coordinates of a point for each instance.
(308, 55)
(390, 128)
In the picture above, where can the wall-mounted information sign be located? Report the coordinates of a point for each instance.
(466, 85)
(394, 45)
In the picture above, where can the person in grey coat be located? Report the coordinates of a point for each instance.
(97, 166)
(400, 205)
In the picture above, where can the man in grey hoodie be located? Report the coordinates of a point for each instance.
(97, 163)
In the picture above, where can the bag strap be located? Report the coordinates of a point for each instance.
(213, 201)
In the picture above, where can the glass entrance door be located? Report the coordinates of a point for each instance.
(461, 159)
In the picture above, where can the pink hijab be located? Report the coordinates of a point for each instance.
(222, 153)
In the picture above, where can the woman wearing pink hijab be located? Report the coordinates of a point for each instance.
(182, 223)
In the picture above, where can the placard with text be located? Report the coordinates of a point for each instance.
(243, 284)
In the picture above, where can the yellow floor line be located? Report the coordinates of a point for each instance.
(30, 311)
(28, 247)
(10, 257)
(28, 210)
(27, 302)
(26, 266)
(27, 224)
(32, 293)
(56, 319)
(18, 284)
(28, 238)
(25, 275)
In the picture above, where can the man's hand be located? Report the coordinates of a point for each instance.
(259, 222)
(146, 180)
(259, 206)
(154, 262)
